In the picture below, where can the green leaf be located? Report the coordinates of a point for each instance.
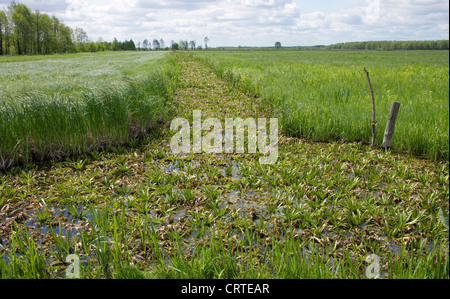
(444, 218)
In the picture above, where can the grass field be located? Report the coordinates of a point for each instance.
(136, 210)
(68, 105)
(324, 95)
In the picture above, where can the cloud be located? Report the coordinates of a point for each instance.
(253, 22)
(185, 5)
(379, 20)
(41, 5)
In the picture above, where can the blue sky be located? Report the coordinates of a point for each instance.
(253, 22)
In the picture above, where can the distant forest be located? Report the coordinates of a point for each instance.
(392, 45)
(24, 32)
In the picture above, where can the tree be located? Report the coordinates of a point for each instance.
(181, 44)
(184, 45)
(23, 32)
(115, 45)
(21, 22)
(206, 39)
(37, 30)
(161, 44)
(64, 40)
(7, 33)
(145, 44)
(175, 46)
(156, 44)
(443, 45)
(192, 43)
(101, 45)
(56, 41)
(80, 36)
(3, 24)
(47, 36)
(128, 45)
(392, 45)
(92, 47)
(278, 45)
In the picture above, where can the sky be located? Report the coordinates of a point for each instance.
(252, 22)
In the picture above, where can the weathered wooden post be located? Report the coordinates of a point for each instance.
(389, 133)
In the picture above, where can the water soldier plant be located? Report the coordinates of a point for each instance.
(139, 211)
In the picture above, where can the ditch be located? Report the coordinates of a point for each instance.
(321, 206)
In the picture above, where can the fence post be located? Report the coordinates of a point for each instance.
(389, 132)
(374, 122)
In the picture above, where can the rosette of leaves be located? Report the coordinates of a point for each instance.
(444, 217)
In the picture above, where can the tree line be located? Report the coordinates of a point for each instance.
(392, 45)
(188, 45)
(24, 32)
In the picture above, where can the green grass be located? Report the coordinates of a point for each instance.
(24, 58)
(137, 211)
(324, 95)
(57, 108)
(73, 73)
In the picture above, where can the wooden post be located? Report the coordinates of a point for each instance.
(374, 122)
(389, 133)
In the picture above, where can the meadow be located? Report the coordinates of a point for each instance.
(69, 105)
(325, 96)
(130, 208)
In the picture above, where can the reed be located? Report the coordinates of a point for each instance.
(37, 126)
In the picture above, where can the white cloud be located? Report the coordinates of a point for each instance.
(253, 22)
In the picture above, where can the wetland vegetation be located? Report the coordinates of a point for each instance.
(132, 209)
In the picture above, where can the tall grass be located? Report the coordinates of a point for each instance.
(38, 126)
(324, 95)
